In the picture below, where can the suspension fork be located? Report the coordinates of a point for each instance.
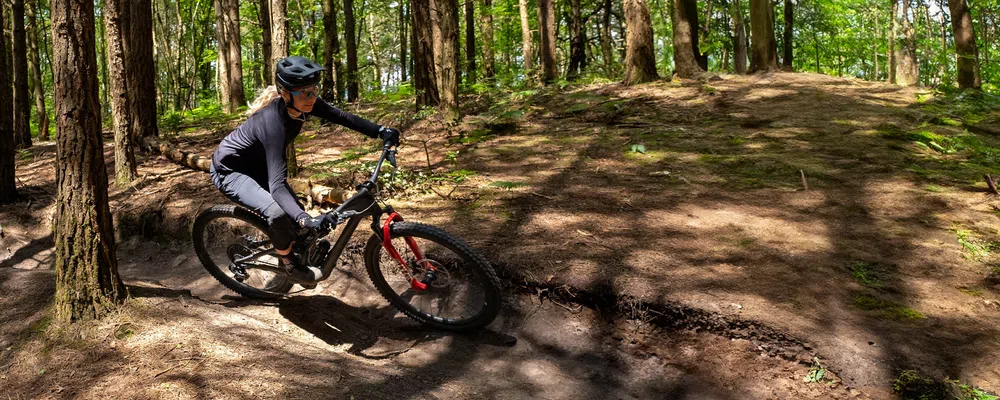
(429, 275)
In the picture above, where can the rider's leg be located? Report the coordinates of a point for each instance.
(243, 190)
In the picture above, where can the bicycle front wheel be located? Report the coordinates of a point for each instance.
(461, 294)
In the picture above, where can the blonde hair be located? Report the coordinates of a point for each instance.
(264, 99)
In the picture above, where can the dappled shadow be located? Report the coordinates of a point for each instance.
(727, 223)
(38, 251)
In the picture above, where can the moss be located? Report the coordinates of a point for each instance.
(886, 308)
(910, 384)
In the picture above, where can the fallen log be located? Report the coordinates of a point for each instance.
(318, 195)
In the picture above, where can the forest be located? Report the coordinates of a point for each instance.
(648, 199)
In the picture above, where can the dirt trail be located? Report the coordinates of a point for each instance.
(182, 336)
(871, 267)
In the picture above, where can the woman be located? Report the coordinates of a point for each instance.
(249, 166)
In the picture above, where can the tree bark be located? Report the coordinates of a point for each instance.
(764, 54)
(227, 33)
(640, 57)
(8, 183)
(878, 34)
(577, 42)
(527, 43)
(907, 73)
(547, 40)
(739, 38)
(424, 69)
(87, 281)
(264, 19)
(403, 41)
(684, 36)
(448, 71)
(352, 51)
(34, 62)
(965, 45)
(332, 86)
(279, 31)
(140, 69)
(606, 52)
(786, 60)
(470, 43)
(893, 31)
(22, 107)
(116, 25)
(486, 24)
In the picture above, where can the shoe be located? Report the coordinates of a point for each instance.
(305, 275)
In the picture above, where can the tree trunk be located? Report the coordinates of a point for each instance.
(424, 75)
(577, 42)
(893, 31)
(878, 34)
(486, 24)
(448, 72)
(470, 43)
(22, 105)
(527, 44)
(8, 183)
(87, 281)
(786, 60)
(739, 38)
(907, 73)
(640, 57)
(691, 12)
(279, 31)
(140, 69)
(606, 52)
(965, 45)
(36, 71)
(227, 33)
(116, 25)
(102, 59)
(764, 54)
(547, 40)
(684, 34)
(279, 49)
(264, 19)
(332, 85)
(352, 51)
(403, 42)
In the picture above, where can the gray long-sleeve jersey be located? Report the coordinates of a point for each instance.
(257, 147)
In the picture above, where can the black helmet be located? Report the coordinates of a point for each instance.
(295, 72)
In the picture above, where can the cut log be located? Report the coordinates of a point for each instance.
(319, 195)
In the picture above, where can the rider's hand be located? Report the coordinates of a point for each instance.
(389, 135)
(322, 221)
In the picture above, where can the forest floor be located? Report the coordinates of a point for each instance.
(719, 239)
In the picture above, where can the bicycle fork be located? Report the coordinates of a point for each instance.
(429, 275)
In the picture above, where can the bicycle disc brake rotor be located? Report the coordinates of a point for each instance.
(418, 270)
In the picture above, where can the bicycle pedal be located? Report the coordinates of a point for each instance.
(239, 272)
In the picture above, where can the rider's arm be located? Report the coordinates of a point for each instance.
(277, 172)
(333, 114)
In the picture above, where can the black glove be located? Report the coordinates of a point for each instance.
(323, 221)
(389, 135)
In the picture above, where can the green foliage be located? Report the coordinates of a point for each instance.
(912, 385)
(886, 308)
(506, 185)
(208, 114)
(816, 373)
(869, 274)
(972, 247)
(474, 137)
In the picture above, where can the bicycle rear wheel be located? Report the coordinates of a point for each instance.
(223, 234)
(464, 293)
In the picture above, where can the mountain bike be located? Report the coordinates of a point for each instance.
(426, 273)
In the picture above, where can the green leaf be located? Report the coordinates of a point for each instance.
(638, 148)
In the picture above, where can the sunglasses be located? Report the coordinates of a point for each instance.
(310, 93)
